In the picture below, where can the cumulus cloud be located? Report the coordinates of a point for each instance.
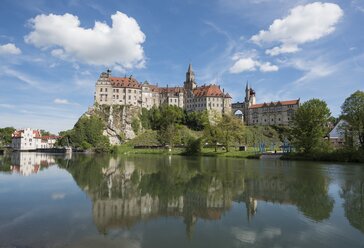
(61, 101)
(305, 23)
(9, 48)
(251, 64)
(117, 45)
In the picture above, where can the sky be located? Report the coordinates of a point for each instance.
(53, 51)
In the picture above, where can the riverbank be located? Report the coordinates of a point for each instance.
(334, 156)
(210, 152)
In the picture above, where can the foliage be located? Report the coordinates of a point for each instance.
(145, 118)
(135, 124)
(339, 155)
(166, 135)
(45, 133)
(194, 146)
(212, 135)
(231, 130)
(86, 134)
(227, 130)
(5, 135)
(309, 125)
(197, 120)
(148, 138)
(353, 113)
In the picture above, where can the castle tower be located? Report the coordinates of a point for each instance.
(250, 98)
(190, 82)
(247, 93)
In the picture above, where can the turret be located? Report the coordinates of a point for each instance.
(247, 92)
(190, 79)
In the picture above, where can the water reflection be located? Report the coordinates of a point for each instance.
(26, 163)
(153, 201)
(127, 191)
(352, 191)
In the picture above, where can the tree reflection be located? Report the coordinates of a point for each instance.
(352, 191)
(125, 191)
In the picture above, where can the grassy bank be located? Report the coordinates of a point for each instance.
(334, 156)
(130, 150)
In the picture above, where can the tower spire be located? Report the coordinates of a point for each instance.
(189, 68)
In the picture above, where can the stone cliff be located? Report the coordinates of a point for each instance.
(118, 121)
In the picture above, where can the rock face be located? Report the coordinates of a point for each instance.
(118, 121)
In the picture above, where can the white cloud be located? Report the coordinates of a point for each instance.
(268, 67)
(241, 65)
(117, 45)
(305, 23)
(250, 64)
(61, 101)
(9, 48)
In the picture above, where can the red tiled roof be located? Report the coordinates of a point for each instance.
(36, 134)
(260, 105)
(209, 90)
(125, 82)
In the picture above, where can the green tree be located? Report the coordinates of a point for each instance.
(353, 113)
(87, 133)
(5, 135)
(212, 134)
(309, 125)
(197, 120)
(231, 130)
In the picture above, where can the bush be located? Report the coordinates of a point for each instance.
(194, 146)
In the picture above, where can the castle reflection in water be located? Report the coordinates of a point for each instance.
(126, 191)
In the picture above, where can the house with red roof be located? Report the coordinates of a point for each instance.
(30, 140)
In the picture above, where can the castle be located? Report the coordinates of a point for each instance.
(128, 91)
(271, 113)
(191, 97)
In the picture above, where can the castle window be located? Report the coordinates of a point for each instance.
(105, 89)
(129, 91)
(100, 89)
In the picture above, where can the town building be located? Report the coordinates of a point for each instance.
(267, 113)
(111, 90)
(30, 140)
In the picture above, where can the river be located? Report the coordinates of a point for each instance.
(174, 201)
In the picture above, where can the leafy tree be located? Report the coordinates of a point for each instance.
(135, 124)
(145, 118)
(353, 113)
(45, 133)
(194, 146)
(231, 130)
(212, 134)
(166, 135)
(86, 134)
(197, 120)
(309, 125)
(5, 135)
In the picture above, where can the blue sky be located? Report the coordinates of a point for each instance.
(52, 51)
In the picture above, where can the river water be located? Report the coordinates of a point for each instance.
(173, 201)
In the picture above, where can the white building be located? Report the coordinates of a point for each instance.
(30, 140)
